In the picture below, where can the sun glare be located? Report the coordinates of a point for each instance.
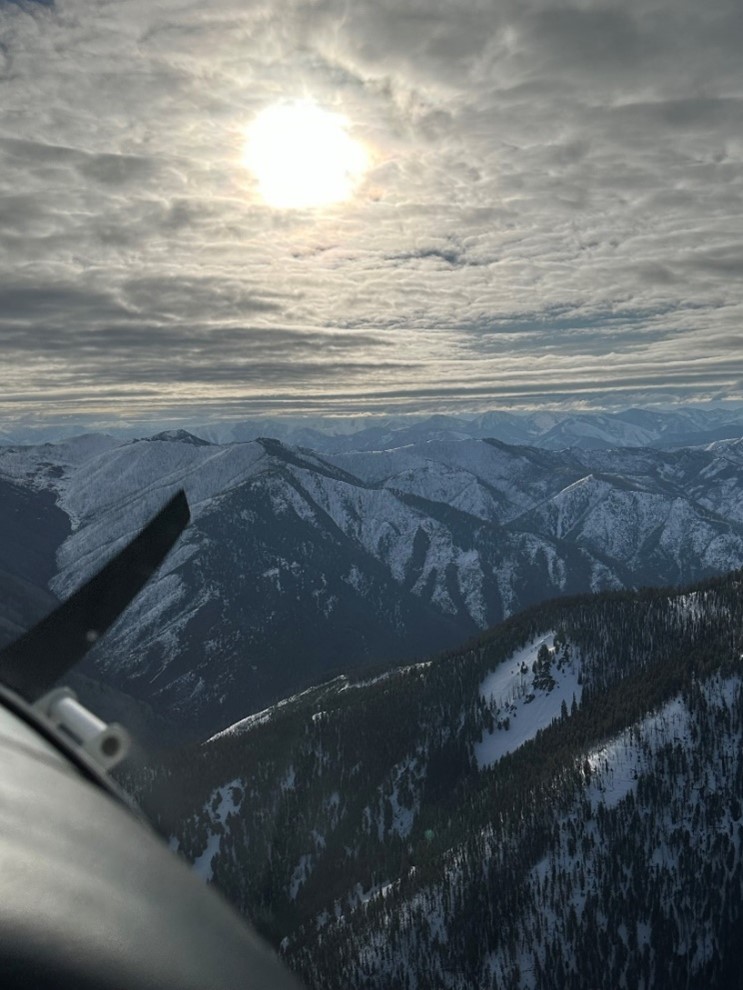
(302, 156)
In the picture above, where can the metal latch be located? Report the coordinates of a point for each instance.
(106, 743)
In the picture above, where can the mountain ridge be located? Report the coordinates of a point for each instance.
(298, 562)
(559, 429)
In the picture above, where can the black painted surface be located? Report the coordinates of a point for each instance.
(90, 898)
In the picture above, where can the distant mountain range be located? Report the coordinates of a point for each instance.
(681, 426)
(545, 430)
(299, 564)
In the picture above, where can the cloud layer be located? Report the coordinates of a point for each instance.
(554, 213)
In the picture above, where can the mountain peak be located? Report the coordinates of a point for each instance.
(176, 436)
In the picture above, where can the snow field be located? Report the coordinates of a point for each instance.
(519, 707)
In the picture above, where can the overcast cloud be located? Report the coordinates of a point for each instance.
(553, 213)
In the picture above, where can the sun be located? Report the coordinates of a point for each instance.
(303, 156)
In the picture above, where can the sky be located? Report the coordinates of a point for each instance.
(551, 217)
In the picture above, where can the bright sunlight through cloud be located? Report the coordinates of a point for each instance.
(303, 156)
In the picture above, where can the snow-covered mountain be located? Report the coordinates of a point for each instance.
(555, 431)
(472, 818)
(557, 805)
(680, 426)
(298, 564)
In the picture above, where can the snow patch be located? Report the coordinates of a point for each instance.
(523, 698)
(223, 802)
(616, 767)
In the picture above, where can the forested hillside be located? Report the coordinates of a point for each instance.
(366, 830)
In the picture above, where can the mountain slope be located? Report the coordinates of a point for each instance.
(31, 529)
(425, 827)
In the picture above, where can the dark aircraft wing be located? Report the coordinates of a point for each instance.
(91, 898)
